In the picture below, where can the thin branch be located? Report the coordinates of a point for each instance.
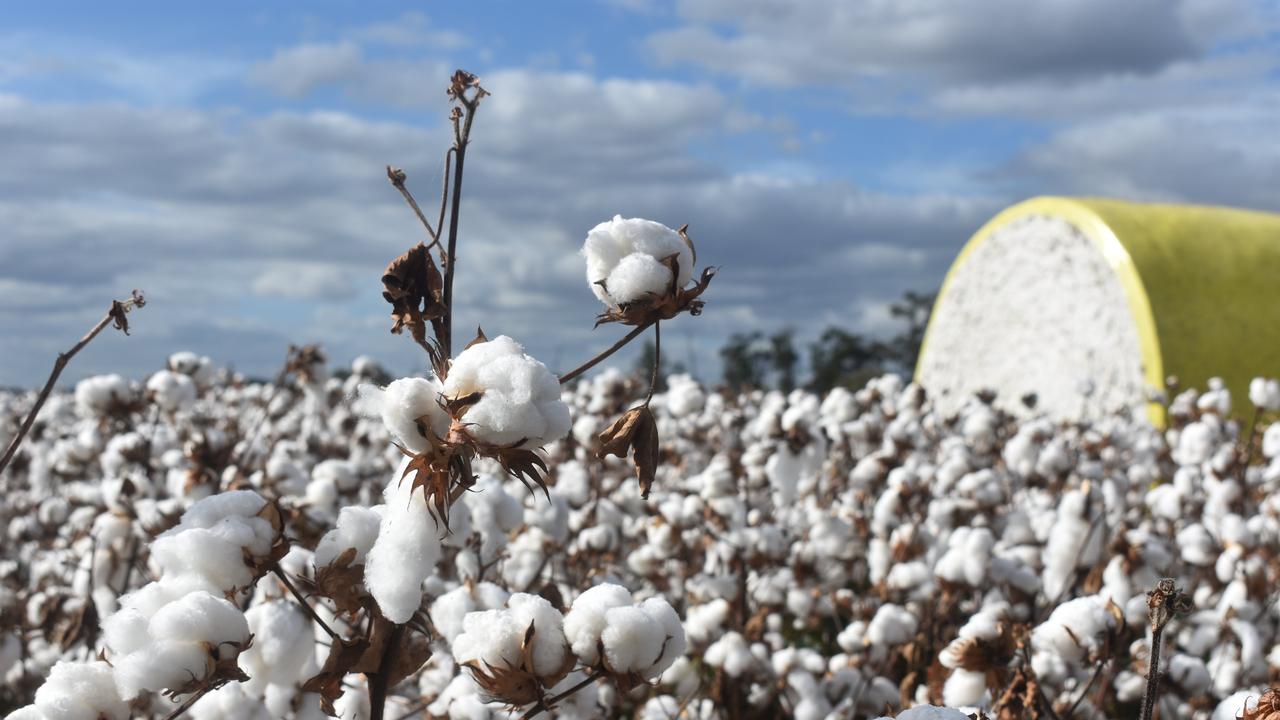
(115, 313)
(462, 137)
(657, 360)
(601, 357)
(1097, 671)
(397, 178)
(186, 705)
(550, 702)
(444, 196)
(279, 572)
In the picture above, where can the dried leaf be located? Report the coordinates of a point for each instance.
(343, 582)
(413, 285)
(480, 338)
(635, 432)
(343, 655)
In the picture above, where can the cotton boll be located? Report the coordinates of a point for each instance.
(78, 691)
(892, 625)
(632, 639)
(519, 397)
(171, 391)
(730, 653)
(495, 638)
(402, 403)
(930, 712)
(405, 551)
(229, 702)
(965, 688)
(586, 619)
(1264, 393)
(96, 396)
(636, 277)
(611, 244)
(283, 649)
(357, 528)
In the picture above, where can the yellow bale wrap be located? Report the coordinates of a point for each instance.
(1202, 283)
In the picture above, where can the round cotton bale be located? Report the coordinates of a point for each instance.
(1082, 307)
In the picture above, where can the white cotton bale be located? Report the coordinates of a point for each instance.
(1089, 304)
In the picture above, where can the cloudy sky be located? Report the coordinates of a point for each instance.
(227, 158)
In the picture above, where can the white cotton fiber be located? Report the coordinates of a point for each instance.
(674, 643)
(636, 277)
(586, 618)
(283, 649)
(213, 538)
(402, 403)
(405, 552)
(171, 391)
(632, 639)
(519, 397)
(625, 255)
(495, 638)
(77, 691)
(357, 528)
(95, 396)
(181, 642)
(449, 611)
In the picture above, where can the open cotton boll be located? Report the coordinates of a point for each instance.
(213, 538)
(402, 403)
(183, 640)
(586, 619)
(519, 397)
(95, 396)
(357, 528)
(929, 712)
(610, 251)
(891, 625)
(229, 702)
(449, 611)
(405, 551)
(495, 638)
(632, 639)
(77, 691)
(731, 654)
(171, 391)
(283, 650)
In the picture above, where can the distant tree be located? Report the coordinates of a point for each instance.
(644, 366)
(746, 358)
(783, 357)
(913, 309)
(842, 358)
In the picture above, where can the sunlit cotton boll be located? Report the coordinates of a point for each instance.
(1264, 393)
(76, 691)
(495, 638)
(402, 403)
(405, 552)
(519, 397)
(624, 259)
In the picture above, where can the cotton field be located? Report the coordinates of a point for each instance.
(195, 542)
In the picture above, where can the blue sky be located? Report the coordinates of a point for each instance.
(828, 154)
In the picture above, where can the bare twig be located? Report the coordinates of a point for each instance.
(186, 705)
(397, 178)
(635, 332)
(657, 360)
(378, 681)
(279, 572)
(462, 137)
(116, 313)
(550, 702)
(1164, 603)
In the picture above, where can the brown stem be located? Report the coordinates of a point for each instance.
(1249, 447)
(657, 360)
(444, 195)
(186, 705)
(1152, 692)
(378, 681)
(550, 702)
(397, 178)
(461, 139)
(279, 572)
(635, 332)
(116, 312)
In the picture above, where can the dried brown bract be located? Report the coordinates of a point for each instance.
(636, 431)
(221, 667)
(414, 286)
(1268, 707)
(674, 301)
(518, 685)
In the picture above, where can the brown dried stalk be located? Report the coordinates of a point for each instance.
(1164, 603)
(115, 314)
(567, 377)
